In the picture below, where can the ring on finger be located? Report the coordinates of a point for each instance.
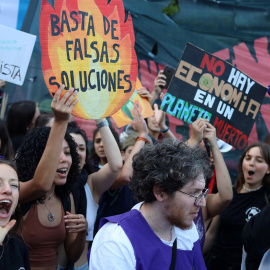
(56, 100)
(68, 105)
(79, 216)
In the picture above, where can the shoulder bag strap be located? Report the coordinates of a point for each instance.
(174, 249)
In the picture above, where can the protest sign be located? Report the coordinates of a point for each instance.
(208, 87)
(88, 45)
(124, 116)
(15, 52)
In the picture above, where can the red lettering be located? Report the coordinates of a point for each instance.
(239, 133)
(229, 134)
(206, 61)
(219, 65)
(218, 124)
(216, 67)
(230, 139)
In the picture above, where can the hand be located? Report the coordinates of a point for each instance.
(63, 106)
(138, 122)
(4, 230)
(75, 223)
(162, 95)
(160, 117)
(143, 92)
(197, 129)
(210, 134)
(160, 82)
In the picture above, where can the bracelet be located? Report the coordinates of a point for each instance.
(103, 123)
(165, 130)
(142, 139)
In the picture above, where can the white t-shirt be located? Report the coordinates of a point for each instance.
(112, 249)
(91, 212)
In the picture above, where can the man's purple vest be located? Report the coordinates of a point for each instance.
(150, 252)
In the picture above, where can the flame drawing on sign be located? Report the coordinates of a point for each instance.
(88, 45)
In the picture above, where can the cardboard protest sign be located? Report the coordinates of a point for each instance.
(208, 87)
(15, 52)
(124, 116)
(88, 45)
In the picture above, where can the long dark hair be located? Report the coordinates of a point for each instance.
(19, 117)
(6, 149)
(43, 119)
(74, 128)
(30, 153)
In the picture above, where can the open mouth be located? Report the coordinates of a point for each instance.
(250, 173)
(5, 206)
(62, 171)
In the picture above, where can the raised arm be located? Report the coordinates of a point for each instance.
(216, 203)
(140, 126)
(160, 118)
(46, 169)
(159, 85)
(210, 235)
(100, 181)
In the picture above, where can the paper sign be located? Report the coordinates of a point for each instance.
(208, 87)
(15, 52)
(88, 45)
(9, 11)
(124, 116)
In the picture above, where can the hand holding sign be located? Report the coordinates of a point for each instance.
(143, 92)
(197, 130)
(209, 134)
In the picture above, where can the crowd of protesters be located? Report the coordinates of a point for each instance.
(139, 201)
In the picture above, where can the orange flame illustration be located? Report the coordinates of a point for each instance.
(88, 45)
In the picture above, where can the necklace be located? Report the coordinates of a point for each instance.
(51, 214)
(50, 196)
(252, 189)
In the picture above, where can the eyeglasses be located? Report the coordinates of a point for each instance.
(198, 197)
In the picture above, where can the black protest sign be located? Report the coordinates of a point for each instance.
(208, 87)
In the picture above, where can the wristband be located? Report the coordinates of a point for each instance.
(103, 123)
(165, 130)
(142, 139)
